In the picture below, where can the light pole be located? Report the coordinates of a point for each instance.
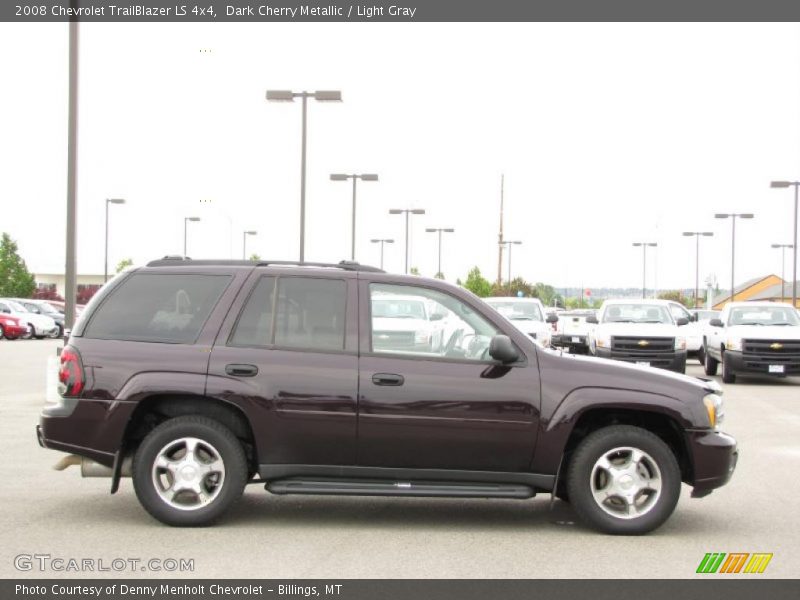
(289, 96)
(644, 246)
(783, 248)
(795, 184)
(109, 201)
(733, 217)
(697, 235)
(407, 211)
(185, 222)
(382, 242)
(244, 242)
(510, 243)
(440, 231)
(354, 177)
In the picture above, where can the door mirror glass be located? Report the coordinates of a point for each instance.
(437, 316)
(552, 318)
(715, 323)
(592, 319)
(502, 348)
(682, 321)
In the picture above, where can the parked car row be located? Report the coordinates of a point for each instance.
(37, 320)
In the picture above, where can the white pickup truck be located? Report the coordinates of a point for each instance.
(573, 331)
(753, 337)
(643, 332)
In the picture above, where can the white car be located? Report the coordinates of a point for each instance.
(753, 337)
(643, 332)
(40, 325)
(527, 315)
(406, 323)
(692, 331)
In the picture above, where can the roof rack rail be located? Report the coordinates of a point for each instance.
(346, 265)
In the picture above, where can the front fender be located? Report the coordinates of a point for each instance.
(557, 427)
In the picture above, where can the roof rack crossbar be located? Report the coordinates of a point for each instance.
(346, 265)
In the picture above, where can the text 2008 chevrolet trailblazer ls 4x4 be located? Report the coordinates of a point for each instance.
(197, 377)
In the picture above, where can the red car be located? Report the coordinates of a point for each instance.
(11, 328)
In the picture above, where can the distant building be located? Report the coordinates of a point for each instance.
(766, 288)
(55, 282)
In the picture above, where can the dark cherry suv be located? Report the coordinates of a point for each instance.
(196, 377)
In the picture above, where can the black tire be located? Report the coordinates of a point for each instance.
(728, 376)
(701, 355)
(681, 368)
(2, 332)
(59, 333)
(210, 433)
(604, 441)
(710, 364)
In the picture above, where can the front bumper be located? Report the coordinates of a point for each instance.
(739, 362)
(714, 456)
(673, 361)
(569, 340)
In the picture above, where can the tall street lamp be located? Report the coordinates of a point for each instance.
(382, 242)
(644, 246)
(407, 211)
(510, 243)
(354, 177)
(289, 96)
(795, 184)
(697, 235)
(244, 242)
(733, 217)
(185, 222)
(783, 248)
(109, 201)
(440, 231)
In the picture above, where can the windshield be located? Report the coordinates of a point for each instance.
(46, 307)
(636, 313)
(398, 308)
(764, 315)
(518, 311)
(16, 306)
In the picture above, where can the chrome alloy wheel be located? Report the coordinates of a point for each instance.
(626, 482)
(188, 473)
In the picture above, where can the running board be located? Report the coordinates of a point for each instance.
(356, 487)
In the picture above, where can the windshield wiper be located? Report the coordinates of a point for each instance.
(621, 321)
(750, 323)
(783, 324)
(650, 321)
(522, 319)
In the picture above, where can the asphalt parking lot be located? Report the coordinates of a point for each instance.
(60, 514)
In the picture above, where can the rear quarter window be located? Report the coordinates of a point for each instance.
(157, 307)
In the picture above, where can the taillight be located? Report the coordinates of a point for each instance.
(70, 374)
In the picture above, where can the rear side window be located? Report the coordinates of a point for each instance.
(156, 307)
(303, 312)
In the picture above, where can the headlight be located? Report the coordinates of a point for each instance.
(680, 343)
(603, 341)
(714, 407)
(733, 344)
(422, 337)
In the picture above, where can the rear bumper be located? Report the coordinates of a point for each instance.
(12, 331)
(739, 362)
(714, 455)
(569, 340)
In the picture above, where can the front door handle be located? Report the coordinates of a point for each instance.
(387, 379)
(241, 370)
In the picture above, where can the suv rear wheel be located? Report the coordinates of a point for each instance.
(623, 480)
(189, 471)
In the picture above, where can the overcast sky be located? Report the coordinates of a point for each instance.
(607, 134)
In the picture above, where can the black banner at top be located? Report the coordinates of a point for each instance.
(155, 11)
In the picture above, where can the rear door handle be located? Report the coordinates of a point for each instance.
(241, 370)
(387, 379)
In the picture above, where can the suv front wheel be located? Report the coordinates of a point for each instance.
(189, 471)
(623, 480)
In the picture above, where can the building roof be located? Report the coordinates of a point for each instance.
(774, 292)
(725, 296)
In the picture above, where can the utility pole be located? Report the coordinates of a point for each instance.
(500, 235)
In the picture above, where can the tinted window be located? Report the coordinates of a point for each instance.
(150, 307)
(310, 313)
(254, 327)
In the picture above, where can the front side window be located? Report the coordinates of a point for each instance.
(155, 307)
(678, 312)
(412, 320)
(303, 312)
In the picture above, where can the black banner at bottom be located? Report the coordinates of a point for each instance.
(713, 588)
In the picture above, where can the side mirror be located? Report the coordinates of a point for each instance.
(715, 323)
(592, 319)
(552, 318)
(5, 310)
(502, 348)
(682, 321)
(436, 316)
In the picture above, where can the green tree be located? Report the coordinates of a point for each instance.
(254, 257)
(124, 264)
(15, 279)
(477, 283)
(414, 271)
(439, 275)
(677, 296)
